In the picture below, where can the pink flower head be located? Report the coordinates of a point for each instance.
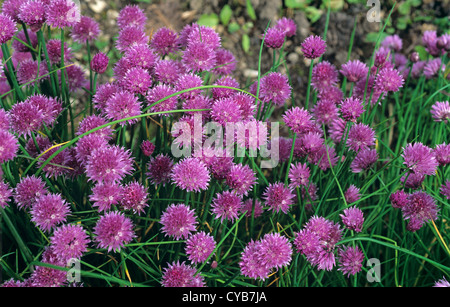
(325, 111)
(54, 51)
(442, 153)
(274, 38)
(445, 189)
(226, 110)
(225, 62)
(178, 221)
(87, 29)
(298, 120)
(440, 111)
(49, 106)
(393, 42)
(191, 174)
(99, 63)
(5, 194)
(62, 13)
(105, 195)
(278, 197)
(122, 105)
(354, 70)
(205, 35)
(131, 15)
(287, 25)
(32, 13)
(104, 92)
(433, 68)
(364, 160)
(69, 241)
(140, 55)
(94, 121)
(226, 206)
(313, 47)
(28, 191)
(160, 169)
(49, 210)
(7, 28)
(165, 41)
(399, 199)
(275, 87)
(137, 81)
(200, 246)
(241, 179)
(167, 71)
(25, 118)
(324, 75)
(188, 81)
(9, 145)
(147, 148)
(299, 175)
(353, 218)
(350, 260)
(159, 101)
(130, 36)
(275, 251)
(247, 206)
(250, 264)
(360, 136)
(135, 197)
(181, 275)
(420, 159)
(352, 194)
(389, 80)
(109, 164)
(351, 109)
(113, 230)
(419, 209)
(30, 72)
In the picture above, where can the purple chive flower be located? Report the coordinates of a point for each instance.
(440, 111)
(11, 8)
(278, 197)
(420, 209)
(324, 111)
(103, 93)
(160, 93)
(354, 70)
(130, 36)
(389, 80)
(200, 246)
(4, 120)
(275, 251)
(131, 15)
(147, 148)
(9, 146)
(274, 38)
(87, 29)
(113, 230)
(229, 81)
(393, 42)
(317, 241)
(353, 218)
(135, 197)
(419, 159)
(137, 81)
(371, 91)
(25, 118)
(188, 81)
(247, 206)
(275, 87)
(93, 121)
(204, 34)
(167, 71)
(32, 13)
(86, 145)
(7, 28)
(191, 174)
(121, 105)
(241, 179)
(313, 47)
(226, 110)
(332, 93)
(441, 283)
(198, 103)
(287, 25)
(54, 51)
(364, 160)
(49, 106)
(360, 136)
(5, 194)
(181, 275)
(178, 221)
(69, 241)
(99, 63)
(250, 264)
(226, 206)
(299, 175)
(352, 194)
(165, 41)
(109, 164)
(160, 169)
(383, 58)
(337, 130)
(413, 180)
(429, 39)
(76, 78)
(442, 153)
(18, 46)
(225, 62)
(49, 210)
(351, 109)
(46, 276)
(28, 191)
(445, 189)
(399, 199)
(58, 165)
(62, 13)
(105, 195)
(198, 57)
(141, 56)
(350, 260)
(324, 75)
(433, 68)
(298, 120)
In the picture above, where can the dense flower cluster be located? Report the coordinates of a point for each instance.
(92, 156)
